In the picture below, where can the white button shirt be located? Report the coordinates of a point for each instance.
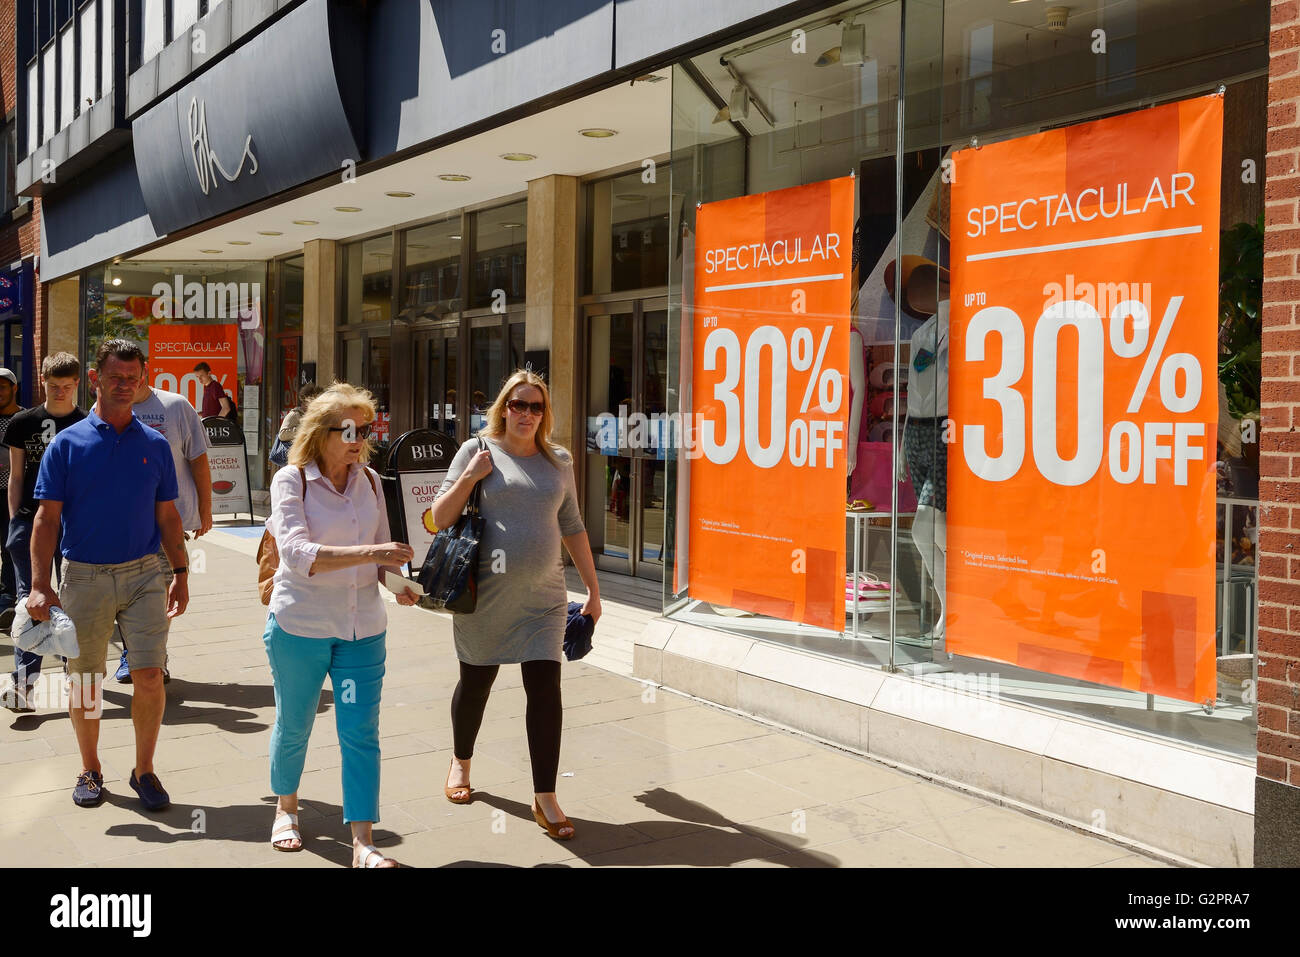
(344, 603)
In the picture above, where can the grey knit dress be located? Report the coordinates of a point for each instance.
(528, 505)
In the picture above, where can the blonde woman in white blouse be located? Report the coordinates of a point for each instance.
(327, 618)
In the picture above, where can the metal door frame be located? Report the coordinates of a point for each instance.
(636, 307)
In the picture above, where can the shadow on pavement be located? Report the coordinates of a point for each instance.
(721, 842)
(321, 824)
(188, 702)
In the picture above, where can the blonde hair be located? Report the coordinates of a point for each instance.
(496, 414)
(328, 410)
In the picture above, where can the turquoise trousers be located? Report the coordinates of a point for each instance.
(356, 671)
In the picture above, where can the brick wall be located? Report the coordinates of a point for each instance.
(1277, 793)
(21, 237)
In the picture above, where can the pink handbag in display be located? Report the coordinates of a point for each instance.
(872, 478)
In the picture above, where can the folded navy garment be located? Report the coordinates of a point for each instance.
(578, 632)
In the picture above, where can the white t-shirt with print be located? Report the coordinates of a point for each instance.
(175, 418)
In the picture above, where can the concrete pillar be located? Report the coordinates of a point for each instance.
(551, 321)
(63, 321)
(320, 306)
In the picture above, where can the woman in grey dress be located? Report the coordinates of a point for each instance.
(530, 506)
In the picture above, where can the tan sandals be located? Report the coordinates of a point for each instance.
(553, 830)
(460, 794)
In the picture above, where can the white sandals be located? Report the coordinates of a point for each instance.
(285, 828)
(370, 857)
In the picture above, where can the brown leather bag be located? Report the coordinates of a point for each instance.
(268, 553)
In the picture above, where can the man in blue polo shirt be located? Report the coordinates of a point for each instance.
(111, 483)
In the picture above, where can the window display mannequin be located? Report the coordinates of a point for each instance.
(857, 395)
(925, 453)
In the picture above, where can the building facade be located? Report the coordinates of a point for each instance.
(422, 197)
(20, 290)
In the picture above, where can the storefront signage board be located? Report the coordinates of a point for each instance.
(278, 110)
(174, 351)
(228, 463)
(765, 444)
(1084, 403)
(419, 461)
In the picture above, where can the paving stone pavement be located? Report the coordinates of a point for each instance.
(649, 777)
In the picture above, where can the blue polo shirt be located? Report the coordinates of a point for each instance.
(109, 485)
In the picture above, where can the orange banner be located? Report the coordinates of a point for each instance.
(770, 334)
(174, 351)
(1083, 400)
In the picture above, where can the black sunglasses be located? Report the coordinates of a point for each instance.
(519, 407)
(363, 431)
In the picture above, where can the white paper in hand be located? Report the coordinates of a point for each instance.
(397, 584)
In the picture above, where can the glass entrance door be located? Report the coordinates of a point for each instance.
(436, 364)
(626, 362)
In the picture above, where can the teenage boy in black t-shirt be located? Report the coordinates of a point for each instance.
(29, 434)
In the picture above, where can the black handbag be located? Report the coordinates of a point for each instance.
(448, 575)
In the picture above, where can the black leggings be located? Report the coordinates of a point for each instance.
(543, 718)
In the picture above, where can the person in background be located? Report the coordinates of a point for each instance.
(330, 524)
(109, 481)
(293, 418)
(175, 419)
(9, 407)
(214, 400)
(530, 506)
(29, 434)
(289, 424)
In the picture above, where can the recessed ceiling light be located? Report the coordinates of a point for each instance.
(213, 252)
(117, 280)
(518, 157)
(598, 133)
(238, 242)
(306, 222)
(455, 235)
(399, 194)
(269, 232)
(649, 78)
(453, 177)
(347, 209)
(512, 225)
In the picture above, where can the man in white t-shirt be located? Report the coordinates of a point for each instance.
(173, 416)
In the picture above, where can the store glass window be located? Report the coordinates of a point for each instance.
(368, 281)
(762, 114)
(626, 234)
(200, 310)
(291, 294)
(432, 274)
(498, 276)
(378, 373)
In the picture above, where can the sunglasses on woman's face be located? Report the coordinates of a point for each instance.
(519, 407)
(362, 431)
